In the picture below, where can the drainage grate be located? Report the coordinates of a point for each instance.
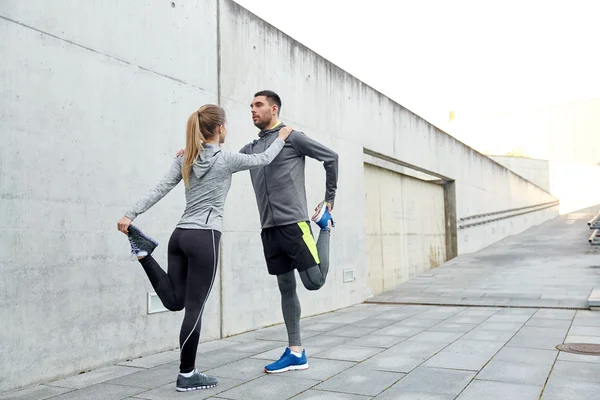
(589, 349)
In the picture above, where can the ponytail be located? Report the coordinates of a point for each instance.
(201, 125)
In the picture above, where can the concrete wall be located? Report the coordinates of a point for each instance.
(94, 104)
(535, 171)
(405, 227)
(92, 111)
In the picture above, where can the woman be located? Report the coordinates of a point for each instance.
(193, 247)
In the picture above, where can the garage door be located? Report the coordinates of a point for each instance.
(405, 230)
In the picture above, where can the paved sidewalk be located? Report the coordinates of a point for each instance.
(375, 352)
(551, 265)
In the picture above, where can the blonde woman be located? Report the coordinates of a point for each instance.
(193, 247)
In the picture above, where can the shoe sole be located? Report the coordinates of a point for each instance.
(286, 369)
(195, 388)
(319, 214)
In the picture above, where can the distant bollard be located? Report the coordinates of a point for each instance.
(595, 238)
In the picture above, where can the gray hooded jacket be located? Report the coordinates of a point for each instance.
(209, 184)
(279, 187)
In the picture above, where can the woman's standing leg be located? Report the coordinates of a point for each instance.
(202, 249)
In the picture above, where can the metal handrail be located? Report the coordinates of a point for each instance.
(595, 238)
(556, 202)
(594, 222)
(505, 217)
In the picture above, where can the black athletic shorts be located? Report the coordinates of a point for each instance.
(289, 247)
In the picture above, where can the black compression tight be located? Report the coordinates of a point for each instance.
(192, 267)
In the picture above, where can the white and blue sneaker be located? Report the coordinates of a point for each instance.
(141, 244)
(288, 362)
(322, 217)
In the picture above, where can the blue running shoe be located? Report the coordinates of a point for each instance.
(288, 362)
(322, 217)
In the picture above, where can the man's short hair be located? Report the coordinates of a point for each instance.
(272, 98)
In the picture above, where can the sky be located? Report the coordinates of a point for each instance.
(475, 57)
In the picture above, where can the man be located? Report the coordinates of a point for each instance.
(286, 234)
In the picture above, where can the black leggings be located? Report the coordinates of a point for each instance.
(192, 267)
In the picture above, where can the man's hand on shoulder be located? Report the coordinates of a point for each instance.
(180, 153)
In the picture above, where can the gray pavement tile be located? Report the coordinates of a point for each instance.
(467, 320)
(153, 360)
(149, 378)
(543, 332)
(349, 353)
(586, 321)
(212, 345)
(509, 371)
(562, 356)
(393, 362)
(417, 348)
(585, 331)
(254, 347)
(535, 342)
(360, 381)
(376, 341)
(517, 311)
(446, 337)
(501, 326)
(548, 323)
(479, 312)
(523, 355)
(374, 322)
(450, 360)
(94, 377)
(40, 392)
(345, 319)
(435, 381)
(393, 394)
(494, 336)
(168, 392)
(398, 331)
(246, 369)
(475, 347)
(351, 331)
(489, 390)
(582, 339)
(269, 387)
(452, 327)
(576, 371)
(417, 322)
(561, 389)
(555, 314)
(323, 395)
(280, 335)
(324, 341)
(321, 326)
(498, 318)
(218, 358)
(323, 369)
(101, 391)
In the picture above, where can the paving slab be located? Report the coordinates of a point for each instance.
(516, 372)
(94, 377)
(269, 387)
(561, 389)
(349, 353)
(447, 382)
(324, 395)
(39, 392)
(489, 390)
(361, 381)
(101, 391)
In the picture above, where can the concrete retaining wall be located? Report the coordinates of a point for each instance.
(94, 104)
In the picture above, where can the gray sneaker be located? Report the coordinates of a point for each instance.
(195, 382)
(141, 244)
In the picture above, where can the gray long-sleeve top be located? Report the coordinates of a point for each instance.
(209, 184)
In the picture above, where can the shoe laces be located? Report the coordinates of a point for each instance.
(134, 247)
